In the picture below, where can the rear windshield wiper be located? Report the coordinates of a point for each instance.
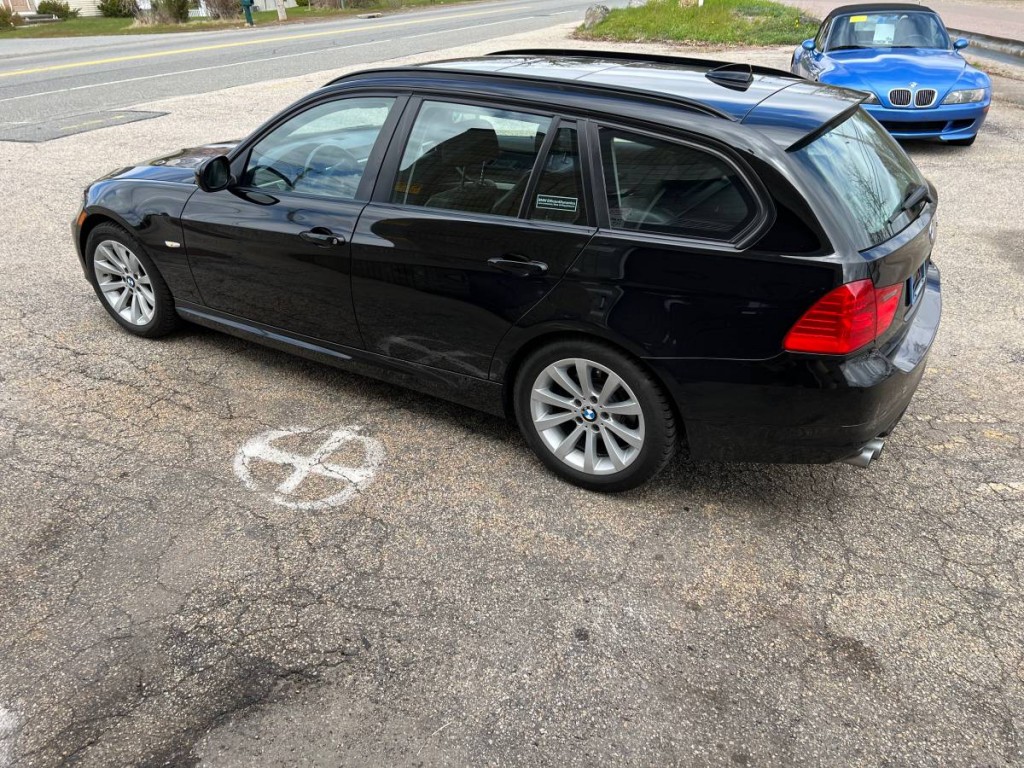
(916, 194)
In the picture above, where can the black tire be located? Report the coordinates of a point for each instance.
(656, 417)
(963, 142)
(164, 319)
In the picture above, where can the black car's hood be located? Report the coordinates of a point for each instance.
(179, 166)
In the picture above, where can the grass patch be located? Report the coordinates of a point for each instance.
(100, 25)
(718, 22)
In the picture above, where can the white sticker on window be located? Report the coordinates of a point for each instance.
(555, 203)
(884, 34)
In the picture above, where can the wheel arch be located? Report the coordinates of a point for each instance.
(552, 336)
(94, 219)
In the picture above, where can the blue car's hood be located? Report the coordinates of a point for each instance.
(879, 70)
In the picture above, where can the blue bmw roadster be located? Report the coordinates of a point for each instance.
(918, 84)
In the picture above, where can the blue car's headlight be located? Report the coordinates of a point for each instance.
(965, 96)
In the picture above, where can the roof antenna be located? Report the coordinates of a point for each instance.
(738, 77)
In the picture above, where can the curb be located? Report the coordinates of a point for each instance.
(989, 43)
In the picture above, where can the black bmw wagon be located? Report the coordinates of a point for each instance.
(622, 252)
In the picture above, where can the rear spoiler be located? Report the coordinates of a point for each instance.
(809, 110)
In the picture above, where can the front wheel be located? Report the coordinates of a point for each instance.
(594, 416)
(128, 283)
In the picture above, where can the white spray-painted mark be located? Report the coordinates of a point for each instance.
(8, 725)
(350, 480)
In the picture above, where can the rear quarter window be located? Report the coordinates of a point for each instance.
(655, 185)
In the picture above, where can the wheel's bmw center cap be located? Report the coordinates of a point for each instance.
(589, 413)
(130, 281)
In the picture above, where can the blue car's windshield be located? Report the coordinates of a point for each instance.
(903, 29)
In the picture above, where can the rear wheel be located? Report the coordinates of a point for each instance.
(128, 283)
(594, 416)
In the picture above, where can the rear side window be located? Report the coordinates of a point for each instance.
(866, 172)
(463, 157)
(660, 186)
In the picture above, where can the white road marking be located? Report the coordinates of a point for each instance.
(348, 480)
(8, 725)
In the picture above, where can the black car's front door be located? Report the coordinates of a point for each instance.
(275, 248)
(467, 231)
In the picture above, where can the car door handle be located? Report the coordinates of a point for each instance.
(322, 236)
(518, 265)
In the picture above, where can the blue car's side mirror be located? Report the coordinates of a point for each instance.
(808, 45)
(960, 43)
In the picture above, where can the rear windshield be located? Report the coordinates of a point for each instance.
(867, 173)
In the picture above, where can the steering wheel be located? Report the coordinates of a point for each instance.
(916, 40)
(344, 157)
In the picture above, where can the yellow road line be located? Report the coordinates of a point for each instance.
(239, 44)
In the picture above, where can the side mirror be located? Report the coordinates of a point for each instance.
(808, 45)
(960, 43)
(214, 174)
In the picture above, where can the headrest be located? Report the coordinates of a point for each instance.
(474, 146)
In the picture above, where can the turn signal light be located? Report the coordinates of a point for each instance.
(845, 319)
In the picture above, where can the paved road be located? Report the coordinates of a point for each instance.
(466, 608)
(41, 80)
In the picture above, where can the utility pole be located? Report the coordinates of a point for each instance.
(282, 13)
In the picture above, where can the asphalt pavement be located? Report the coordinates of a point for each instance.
(455, 604)
(52, 79)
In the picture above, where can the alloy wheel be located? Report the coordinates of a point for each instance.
(587, 416)
(124, 283)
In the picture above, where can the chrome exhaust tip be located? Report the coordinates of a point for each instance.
(872, 450)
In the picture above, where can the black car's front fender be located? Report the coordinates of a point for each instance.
(151, 211)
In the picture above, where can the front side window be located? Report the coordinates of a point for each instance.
(469, 158)
(674, 189)
(902, 29)
(863, 168)
(322, 151)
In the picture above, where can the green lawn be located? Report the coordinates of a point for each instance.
(98, 25)
(725, 22)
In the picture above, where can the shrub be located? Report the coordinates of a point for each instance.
(8, 19)
(302, 3)
(57, 8)
(118, 9)
(224, 9)
(164, 12)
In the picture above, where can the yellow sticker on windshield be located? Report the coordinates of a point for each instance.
(858, 18)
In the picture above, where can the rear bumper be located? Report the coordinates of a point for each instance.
(950, 123)
(796, 409)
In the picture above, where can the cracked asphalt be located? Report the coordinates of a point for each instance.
(465, 607)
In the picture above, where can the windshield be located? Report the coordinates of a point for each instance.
(903, 29)
(867, 172)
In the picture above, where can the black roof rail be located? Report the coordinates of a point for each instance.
(656, 58)
(649, 96)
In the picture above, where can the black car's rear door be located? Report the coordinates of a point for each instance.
(478, 212)
(275, 248)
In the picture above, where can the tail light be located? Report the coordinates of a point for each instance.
(845, 319)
